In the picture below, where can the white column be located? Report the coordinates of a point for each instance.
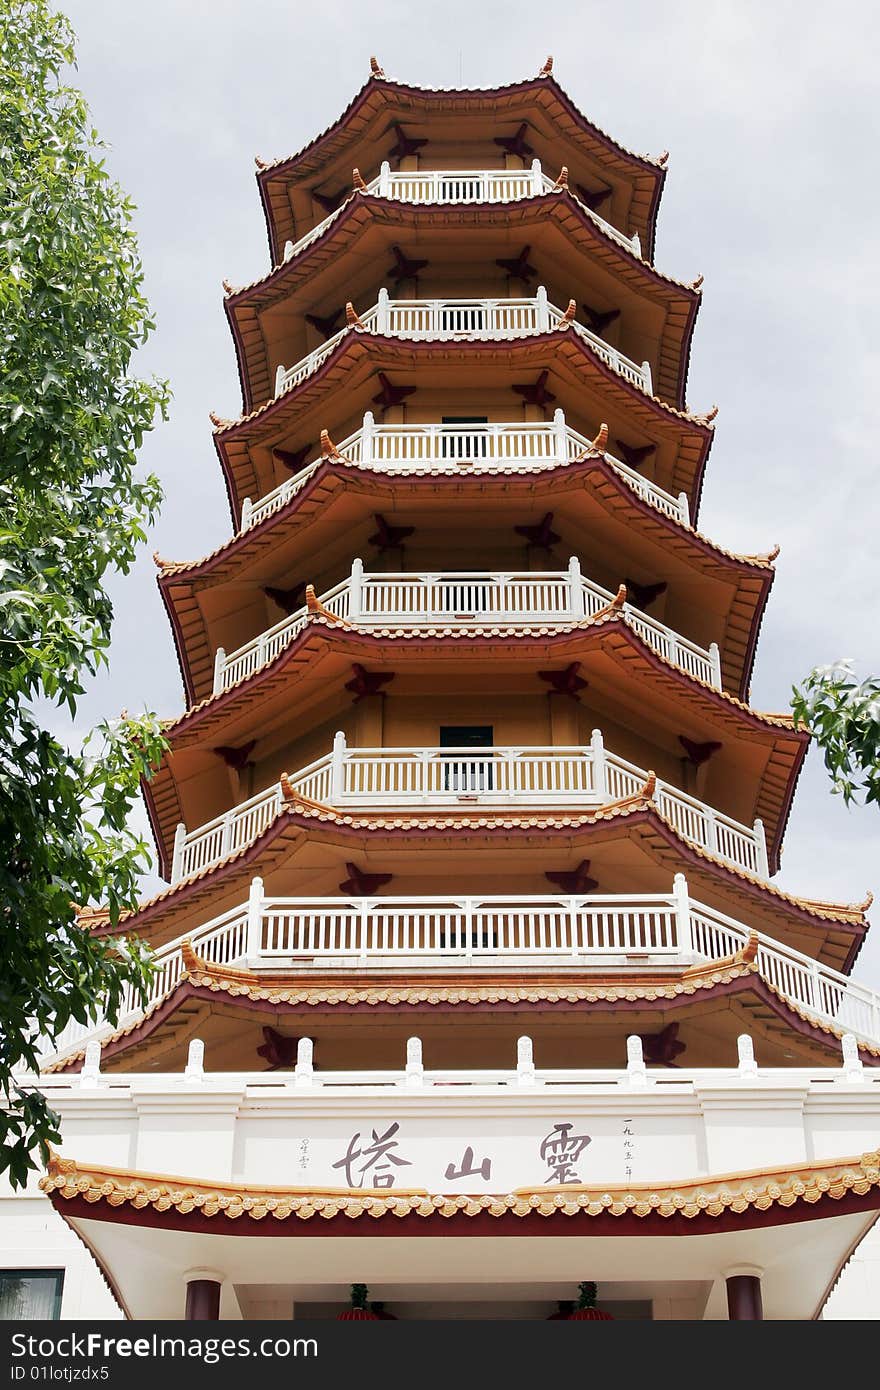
(337, 767)
(255, 919)
(597, 758)
(682, 904)
(356, 590)
(219, 667)
(647, 378)
(525, 1062)
(715, 662)
(575, 588)
(367, 437)
(280, 374)
(177, 855)
(537, 177)
(761, 849)
(636, 243)
(684, 508)
(247, 508)
(384, 179)
(382, 311)
(415, 1072)
(542, 307)
(560, 435)
(303, 1072)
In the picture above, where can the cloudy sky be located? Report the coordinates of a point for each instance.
(770, 113)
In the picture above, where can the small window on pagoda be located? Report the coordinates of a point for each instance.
(464, 437)
(466, 773)
(30, 1295)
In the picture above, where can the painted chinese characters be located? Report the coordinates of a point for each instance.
(560, 1150)
(468, 1168)
(379, 1159)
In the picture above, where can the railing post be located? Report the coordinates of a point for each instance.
(543, 309)
(384, 179)
(356, 590)
(469, 928)
(636, 244)
(226, 845)
(537, 178)
(684, 509)
(715, 663)
(383, 311)
(746, 1064)
(853, 1067)
(280, 374)
(415, 1071)
(337, 767)
(525, 1062)
(255, 919)
(560, 435)
(682, 904)
(647, 378)
(711, 830)
(247, 508)
(575, 588)
(303, 1072)
(219, 667)
(600, 771)
(195, 1062)
(761, 849)
(636, 1075)
(90, 1073)
(177, 855)
(367, 430)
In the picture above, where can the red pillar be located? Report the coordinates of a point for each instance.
(202, 1300)
(744, 1298)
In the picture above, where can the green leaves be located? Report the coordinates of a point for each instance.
(72, 512)
(844, 718)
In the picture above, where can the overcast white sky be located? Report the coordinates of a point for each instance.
(770, 113)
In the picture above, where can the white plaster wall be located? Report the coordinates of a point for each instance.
(857, 1295)
(33, 1236)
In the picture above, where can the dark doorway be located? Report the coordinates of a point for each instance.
(460, 774)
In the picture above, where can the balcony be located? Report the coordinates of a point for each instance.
(638, 932)
(488, 448)
(463, 320)
(467, 597)
(457, 186)
(458, 778)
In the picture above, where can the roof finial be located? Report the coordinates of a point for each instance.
(773, 554)
(562, 181)
(218, 421)
(662, 159)
(695, 284)
(710, 415)
(547, 69)
(649, 789)
(568, 316)
(357, 181)
(328, 448)
(600, 443)
(229, 288)
(159, 562)
(261, 163)
(352, 317)
(375, 70)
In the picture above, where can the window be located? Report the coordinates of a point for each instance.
(465, 438)
(462, 774)
(30, 1294)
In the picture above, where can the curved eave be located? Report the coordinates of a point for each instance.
(179, 584)
(323, 397)
(834, 934)
(399, 100)
(237, 713)
(285, 996)
(680, 302)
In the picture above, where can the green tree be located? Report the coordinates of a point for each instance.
(843, 715)
(72, 513)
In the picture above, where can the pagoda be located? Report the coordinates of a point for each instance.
(469, 825)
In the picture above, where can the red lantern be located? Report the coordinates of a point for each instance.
(587, 1305)
(358, 1312)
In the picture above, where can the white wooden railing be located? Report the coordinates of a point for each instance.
(458, 320)
(461, 186)
(470, 597)
(450, 448)
(599, 930)
(586, 775)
